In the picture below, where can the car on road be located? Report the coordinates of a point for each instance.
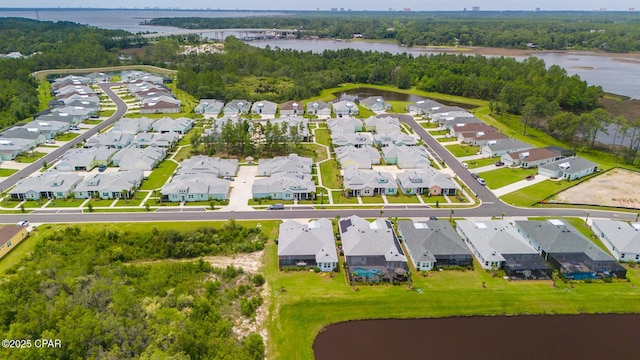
(276, 207)
(74, 128)
(475, 176)
(499, 163)
(23, 223)
(530, 177)
(481, 181)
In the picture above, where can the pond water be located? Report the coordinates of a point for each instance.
(567, 337)
(364, 92)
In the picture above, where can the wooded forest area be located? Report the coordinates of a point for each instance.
(79, 285)
(606, 31)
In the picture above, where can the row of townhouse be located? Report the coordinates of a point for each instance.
(75, 102)
(150, 91)
(427, 181)
(54, 184)
(552, 162)
(200, 178)
(525, 250)
(211, 108)
(288, 178)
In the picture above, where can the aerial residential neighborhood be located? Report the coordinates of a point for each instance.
(257, 186)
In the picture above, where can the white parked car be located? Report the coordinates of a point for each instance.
(23, 223)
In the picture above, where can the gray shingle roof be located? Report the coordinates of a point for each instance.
(426, 240)
(569, 165)
(491, 238)
(624, 236)
(314, 238)
(557, 236)
(293, 162)
(362, 238)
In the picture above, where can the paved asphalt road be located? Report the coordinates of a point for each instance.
(54, 155)
(491, 205)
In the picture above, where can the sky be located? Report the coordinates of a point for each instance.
(423, 5)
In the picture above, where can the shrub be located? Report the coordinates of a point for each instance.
(258, 280)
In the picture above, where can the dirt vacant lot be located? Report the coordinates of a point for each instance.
(617, 187)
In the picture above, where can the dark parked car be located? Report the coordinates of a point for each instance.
(102, 168)
(530, 177)
(433, 218)
(499, 163)
(474, 175)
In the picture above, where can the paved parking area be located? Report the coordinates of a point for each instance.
(241, 189)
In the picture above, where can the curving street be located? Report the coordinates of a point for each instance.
(490, 205)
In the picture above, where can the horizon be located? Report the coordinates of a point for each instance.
(469, 10)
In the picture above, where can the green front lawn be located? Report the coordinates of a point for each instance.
(186, 139)
(462, 150)
(506, 175)
(439, 132)
(473, 164)
(323, 137)
(429, 125)
(305, 302)
(65, 203)
(29, 157)
(107, 113)
(447, 139)
(135, 201)
(533, 194)
(372, 199)
(92, 122)
(66, 136)
(7, 172)
(330, 172)
(432, 200)
(338, 198)
(159, 175)
(402, 198)
(100, 202)
(264, 202)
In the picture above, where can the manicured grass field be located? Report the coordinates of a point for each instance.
(183, 153)
(304, 302)
(92, 122)
(315, 151)
(159, 176)
(7, 172)
(460, 150)
(473, 164)
(330, 172)
(186, 139)
(364, 112)
(533, 194)
(506, 175)
(399, 107)
(323, 137)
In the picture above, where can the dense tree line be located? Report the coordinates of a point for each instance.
(610, 31)
(49, 45)
(70, 288)
(290, 74)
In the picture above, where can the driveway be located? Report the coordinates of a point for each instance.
(519, 185)
(241, 189)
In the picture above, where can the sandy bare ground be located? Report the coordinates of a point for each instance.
(617, 187)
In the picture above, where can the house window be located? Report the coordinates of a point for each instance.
(637, 257)
(622, 256)
(190, 196)
(486, 263)
(105, 194)
(59, 194)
